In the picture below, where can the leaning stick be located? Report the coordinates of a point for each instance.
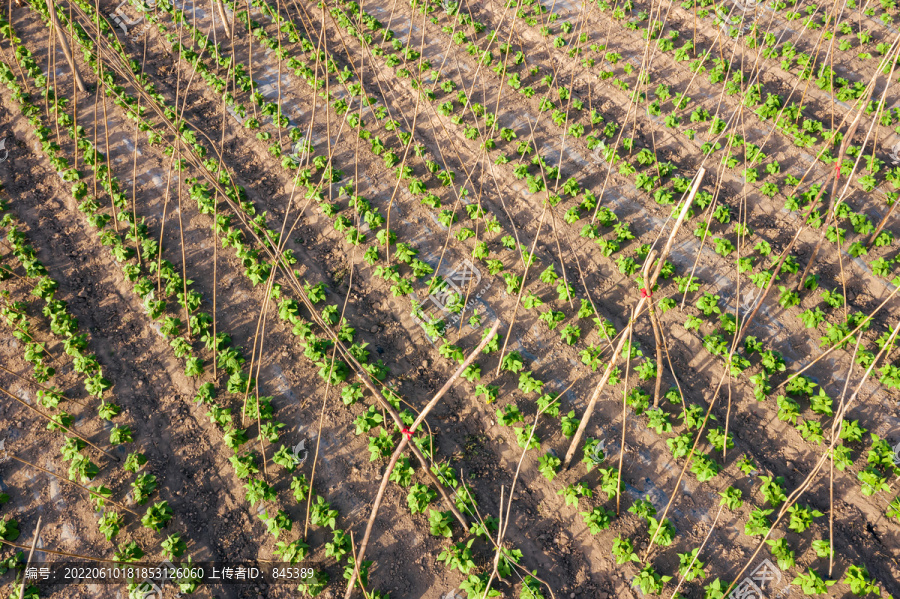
(34, 382)
(697, 555)
(881, 226)
(355, 570)
(624, 422)
(80, 486)
(224, 18)
(64, 43)
(65, 428)
(576, 440)
(37, 533)
(63, 553)
(657, 334)
(407, 435)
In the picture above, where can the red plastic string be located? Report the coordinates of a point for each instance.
(645, 293)
(407, 432)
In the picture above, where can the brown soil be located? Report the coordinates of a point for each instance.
(185, 450)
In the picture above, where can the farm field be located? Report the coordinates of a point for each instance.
(451, 300)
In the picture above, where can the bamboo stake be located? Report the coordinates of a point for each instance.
(294, 283)
(407, 435)
(37, 533)
(68, 430)
(224, 18)
(834, 186)
(699, 549)
(34, 382)
(881, 226)
(80, 486)
(657, 334)
(64, 43)
(91, 558)
(624, 421)
(576, 440)
(62, 553)
(807, 482)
